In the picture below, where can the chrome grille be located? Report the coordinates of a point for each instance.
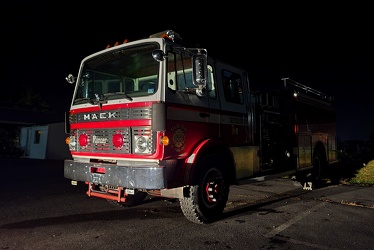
(100, 140)
(112, 115)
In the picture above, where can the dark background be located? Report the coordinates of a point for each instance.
(329, 48)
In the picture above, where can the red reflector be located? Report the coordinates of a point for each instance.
(98, 170)
(117, 140)
(83, 140)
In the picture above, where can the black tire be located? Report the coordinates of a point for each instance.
(207, 199)
(318, 170)
(313, 179)
(131, 200)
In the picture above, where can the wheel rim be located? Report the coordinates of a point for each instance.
(317, 168)
(214, 188)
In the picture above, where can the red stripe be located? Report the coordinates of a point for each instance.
(111, 124)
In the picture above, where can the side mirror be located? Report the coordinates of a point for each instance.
(70, 79)
(158, 55)
(200, 70)
(200, 91)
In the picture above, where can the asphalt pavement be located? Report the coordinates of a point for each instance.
(282, 188)
(40, 210)
(20, 173)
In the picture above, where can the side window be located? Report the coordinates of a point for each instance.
(179, 76)
(37, 136)
(179, 72)
(232, 87)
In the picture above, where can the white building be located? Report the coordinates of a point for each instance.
(44, 142)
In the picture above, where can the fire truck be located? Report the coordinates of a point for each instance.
(158, 117)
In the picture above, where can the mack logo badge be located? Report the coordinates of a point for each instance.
(100, 116)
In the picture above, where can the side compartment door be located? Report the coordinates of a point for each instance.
(273, 148)
(275, 138)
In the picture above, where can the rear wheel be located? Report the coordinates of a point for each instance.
(314, 179)
(207, 199)
(317, 168)
(319, 165)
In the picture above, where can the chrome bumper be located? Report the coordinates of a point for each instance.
(144, 176)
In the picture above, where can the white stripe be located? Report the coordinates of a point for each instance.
(194, 116)
(289, 223)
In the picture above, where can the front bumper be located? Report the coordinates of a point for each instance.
(138, 176)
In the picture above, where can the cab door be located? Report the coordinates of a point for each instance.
(232, 92)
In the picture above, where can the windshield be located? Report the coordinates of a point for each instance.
(124, 73)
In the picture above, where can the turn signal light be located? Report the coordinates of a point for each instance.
(117, 43)
(164, 140)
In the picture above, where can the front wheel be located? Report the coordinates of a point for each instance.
(207, 199)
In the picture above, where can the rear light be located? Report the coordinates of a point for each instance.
(99, 170)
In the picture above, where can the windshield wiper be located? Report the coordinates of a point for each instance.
(81, 99)
(118, 94)
(98, 101)
(103, 99)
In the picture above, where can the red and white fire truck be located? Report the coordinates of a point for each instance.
(156, 117)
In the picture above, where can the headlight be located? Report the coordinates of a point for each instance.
(72, 143)
(143, 140)
(142, 144)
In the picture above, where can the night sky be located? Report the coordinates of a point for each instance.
(329, 48)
